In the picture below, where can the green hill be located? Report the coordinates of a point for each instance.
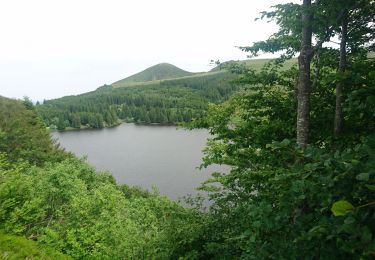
(167, 95)
(165, 72)
(156, 72)
(162, 94)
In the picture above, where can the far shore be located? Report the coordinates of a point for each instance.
(86, 127)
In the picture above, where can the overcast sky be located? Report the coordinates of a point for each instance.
(53, 48)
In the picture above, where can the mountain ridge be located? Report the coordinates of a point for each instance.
(159, 71)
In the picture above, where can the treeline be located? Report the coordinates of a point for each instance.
(163, 102)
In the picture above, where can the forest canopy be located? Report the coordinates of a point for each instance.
(168, 101)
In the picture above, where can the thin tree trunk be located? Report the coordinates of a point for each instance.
(304, 84)
(339, 117)
(316, 70)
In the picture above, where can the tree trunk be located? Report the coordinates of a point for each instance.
(304, 84)
(339, 117)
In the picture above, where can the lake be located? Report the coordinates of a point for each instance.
(144, 155)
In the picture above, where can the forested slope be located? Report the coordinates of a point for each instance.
(62, 203)
(165, 101)
(162, 94)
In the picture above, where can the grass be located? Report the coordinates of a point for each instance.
(155, 73)
(256, 64)
(158, 82)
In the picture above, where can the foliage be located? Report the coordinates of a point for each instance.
(15, 247)
(168, 101)
(66, 205)
(282, 201)
(69, 207)
(23, 135)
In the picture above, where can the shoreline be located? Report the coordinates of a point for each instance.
(82, 128)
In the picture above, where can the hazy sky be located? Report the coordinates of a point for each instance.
(53, 48)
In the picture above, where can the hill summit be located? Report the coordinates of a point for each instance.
(157, 72)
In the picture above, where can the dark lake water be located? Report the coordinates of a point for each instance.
(142, 155)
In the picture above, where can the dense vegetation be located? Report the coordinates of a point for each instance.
(60, 201)
(167, 101)
(302, 185)
(22, 134)
(300, 141)
(15, 247)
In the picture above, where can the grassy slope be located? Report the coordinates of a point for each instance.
(136, 80)
(258, 63)
(157, 82)
(154, 73)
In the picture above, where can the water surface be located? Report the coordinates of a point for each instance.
(144, 155)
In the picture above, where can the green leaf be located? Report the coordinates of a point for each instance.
(349, 220)
(370, 187)
(364, 176)
(341, 208)
(285, 143)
